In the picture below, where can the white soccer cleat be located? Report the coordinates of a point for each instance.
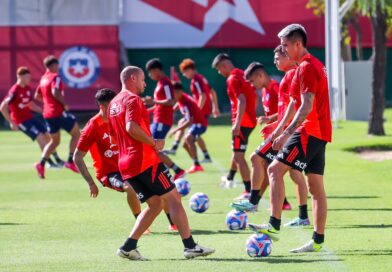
(197, 251)
(311, 246)
(227, 183)
(133, 255)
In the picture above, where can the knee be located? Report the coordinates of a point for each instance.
(274, 172)
(155, 203)
(189, 139)
(255, 159)
(238, 157)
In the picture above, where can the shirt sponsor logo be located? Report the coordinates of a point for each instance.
(79, 67)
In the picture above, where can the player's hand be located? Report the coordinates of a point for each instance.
(277, 132)
(159, 145)
(94, 191)
(280, 141)
(263, 120)
(13, 126)
(215, 113)
(235, 130)
(148, 101)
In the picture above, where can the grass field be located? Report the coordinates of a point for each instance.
(53, 225)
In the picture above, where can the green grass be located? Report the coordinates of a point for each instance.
(53, 225)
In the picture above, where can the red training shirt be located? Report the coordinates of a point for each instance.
(199, 85)
(236, 85)
(135, 157)
(189, 108)
(163, 91)
(270, 98)
(18, 98)
(52, 108)
(311, 76)
(95, 138)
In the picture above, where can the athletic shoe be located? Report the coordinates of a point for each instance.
(298, 222)
(169, 152)
(286, 206)
(227, 183)
(133, 255)
(197, 251)
(71, 166)
(195, 168)
(311, 246)
(54, 166)
(207, 160)
(180, 174)
(60, 163)
(243, 196)
(40, 170)
(173, 228)
(266, 229)
(244, 206)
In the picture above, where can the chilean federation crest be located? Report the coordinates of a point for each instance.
(79, 67)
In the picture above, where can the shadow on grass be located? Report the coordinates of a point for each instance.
(373, 147)
(271, 260)
(11, 224)
(380, 226)
(206, 232)
(385, 252)
(352, 197)
(362, 209)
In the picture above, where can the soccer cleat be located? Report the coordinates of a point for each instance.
(133, 255)
(173, 228)
(71, 166)
(243, 196)
(54, 166)
(40, 170)
(311, 246)
(206, 160)
(197, 251)
(227, 183)
(244, 206)
(298, 222)
(60, 163)
(195, 168)
(179, 175)
(286, 206)
(266, 229)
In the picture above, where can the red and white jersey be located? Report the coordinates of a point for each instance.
(18, 98)
(270, 98)
(163, 91)
(189, 108)
(51, 106)
(199, 85)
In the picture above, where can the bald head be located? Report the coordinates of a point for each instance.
(128, 72)
(132, 79)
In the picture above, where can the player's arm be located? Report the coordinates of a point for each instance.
(165, 102)
(240, 113)
(38, 95)
(202, 100)
(182, 125)
(288, 115)
(34, 107)
(268, 119)
(215, 105)
(6, 113)
(56, 91)
(136, 132)
(81, 165)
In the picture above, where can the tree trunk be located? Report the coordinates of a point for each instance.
(359, 36)
(376, 121)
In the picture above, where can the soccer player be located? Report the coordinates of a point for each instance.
(204, 96)
(55, 111)
(162, 108)
(17, 109)
(264, 154)
(302, 144)
(195, 120)
(141, 167)
(243, 110)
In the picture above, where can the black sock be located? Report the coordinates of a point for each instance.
(189, 242)
(43, 161)
(206, 155)
(136, 215)
(254, 197)
(318, 238)
(196, 162)
(56, 157)
(169, 219)
(50, 161)
(175, 145)
(231, 174)
(285, 201)
(175, 168)
(303, 211)
(70, 158)
(130, 244)
(247, 185)
(275, 222)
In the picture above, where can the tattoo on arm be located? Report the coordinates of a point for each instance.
(303, 112)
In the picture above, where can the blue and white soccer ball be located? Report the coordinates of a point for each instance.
(183, 186)
(199, 202)
(236, 220)
(258, 245)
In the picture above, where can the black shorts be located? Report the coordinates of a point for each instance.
(32, 128)
(155, 181)
(66, 121)
(304, 153)
(113, 181)
(266, 151)
(240, 142)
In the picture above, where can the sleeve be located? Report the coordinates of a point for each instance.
(57, 83)
(87, 138)
(168, 90)
(185, 111)
(199, 87)
(294, 87)
(133, 110)
(235, 86)
(308, 79)
(10, 95)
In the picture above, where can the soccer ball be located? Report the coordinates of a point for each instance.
(183, 186)
(236, 220)
(258, 245)
(199, 202)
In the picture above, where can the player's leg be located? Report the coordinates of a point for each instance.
(133, 201)
(302, 196)
(179, 172)
(194, 133)
(172, 226)
(228, 180)
(203, 147)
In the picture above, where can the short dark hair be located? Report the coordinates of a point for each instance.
(50, 60)
(154, 63)
(294, 32)
(253, 67)
(104, 95)
(279, 49)
(177, 86)
(219, 58)
(23, 70)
